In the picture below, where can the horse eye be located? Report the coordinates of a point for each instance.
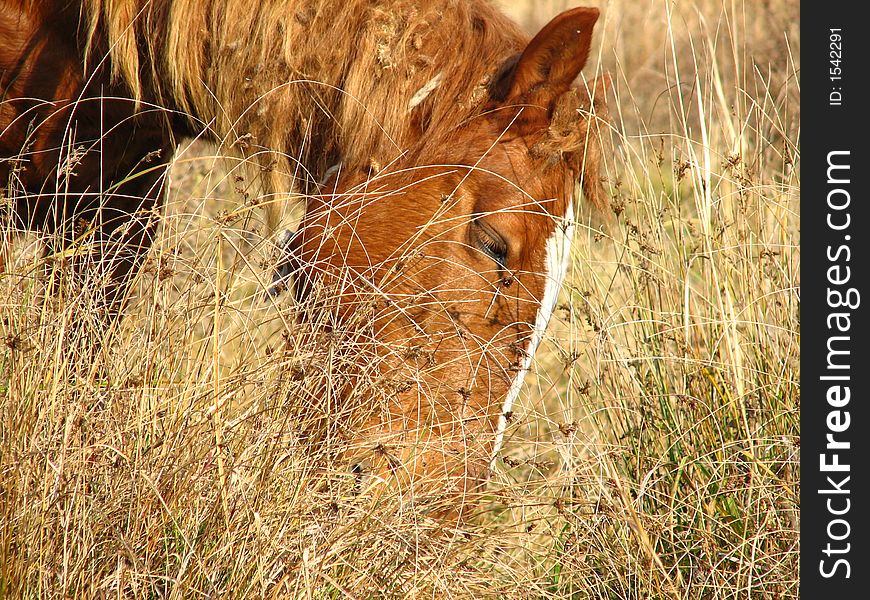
(490, 242)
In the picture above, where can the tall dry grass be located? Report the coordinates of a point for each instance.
(654, 452)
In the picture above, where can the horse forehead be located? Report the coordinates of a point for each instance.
(515, 163)
(516, 182)
(557, 224)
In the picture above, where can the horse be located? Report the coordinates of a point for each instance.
(439, 148)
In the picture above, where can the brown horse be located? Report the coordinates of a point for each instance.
(442, 145)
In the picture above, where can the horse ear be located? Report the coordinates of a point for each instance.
(555, 56)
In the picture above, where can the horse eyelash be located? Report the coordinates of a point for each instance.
(491, 243)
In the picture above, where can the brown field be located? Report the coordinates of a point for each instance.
(654, 452)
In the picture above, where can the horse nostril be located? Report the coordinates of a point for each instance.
(360, 474)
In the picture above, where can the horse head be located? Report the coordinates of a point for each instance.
(452, 258)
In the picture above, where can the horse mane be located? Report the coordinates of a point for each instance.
(321, 81)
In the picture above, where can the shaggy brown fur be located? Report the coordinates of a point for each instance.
(315, 81)
(319, 80)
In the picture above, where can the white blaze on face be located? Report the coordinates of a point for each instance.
(555, 268)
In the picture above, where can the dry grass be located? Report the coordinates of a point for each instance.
(654, 453)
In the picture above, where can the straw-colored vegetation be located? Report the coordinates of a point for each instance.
(654, 452)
